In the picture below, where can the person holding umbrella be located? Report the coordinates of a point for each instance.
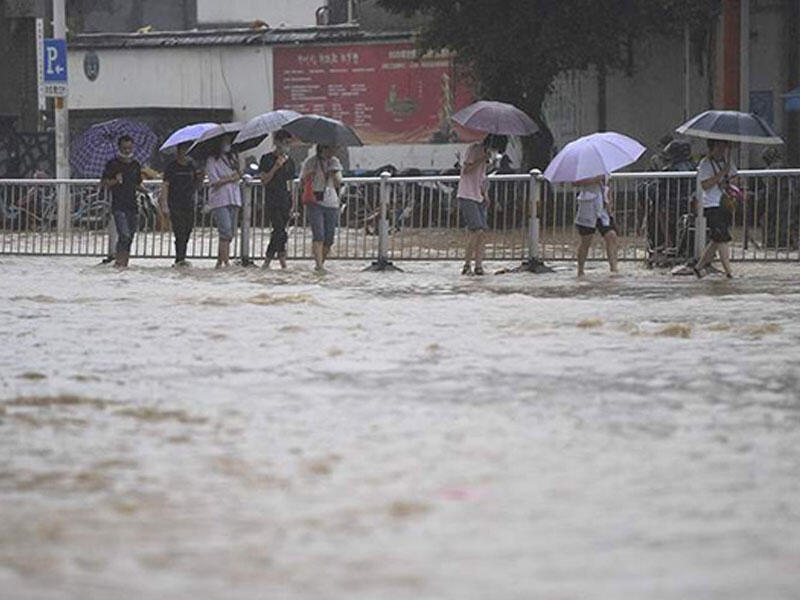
(181, 178)
(322, 174)
(715, 174)
(498, 120)
(276, 171)
(224, 196)
(123, 177)
(473, 198)
(594, 214)
(587, 163)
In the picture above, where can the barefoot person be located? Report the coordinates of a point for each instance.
(123, 176)
(594, 214)
(715, 173)
(181, 178)
(473, 199)
(224, 195)
(325, 172)
(276, 171)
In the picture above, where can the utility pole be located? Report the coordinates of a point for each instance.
(62, 125)
(744, 69)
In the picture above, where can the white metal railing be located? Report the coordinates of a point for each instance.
(387, 219)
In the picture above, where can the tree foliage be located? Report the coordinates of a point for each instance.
(515, 49)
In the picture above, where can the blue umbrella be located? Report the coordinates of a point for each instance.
(190, 133)
(97, 145)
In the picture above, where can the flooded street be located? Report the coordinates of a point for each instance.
(244, 434)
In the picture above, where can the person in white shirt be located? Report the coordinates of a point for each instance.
(324, 171)
(594, 214)
(715, 173)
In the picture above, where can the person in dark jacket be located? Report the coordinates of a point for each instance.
(276, 171)
(181, 179)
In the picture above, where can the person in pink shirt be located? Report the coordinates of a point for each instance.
(473, 199)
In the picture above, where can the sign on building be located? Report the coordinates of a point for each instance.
(54, 67)
(383, 90)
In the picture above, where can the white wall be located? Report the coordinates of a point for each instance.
(276, 13)
(420, 156)
(228, 77)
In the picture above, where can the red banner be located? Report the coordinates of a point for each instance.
(386, 93)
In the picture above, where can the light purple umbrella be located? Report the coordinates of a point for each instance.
(495, 117)
(190, 133)
(593, 155)
(97, 145)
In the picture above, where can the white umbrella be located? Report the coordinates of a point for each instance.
(258, 128)
(592, 156)
(190, 133)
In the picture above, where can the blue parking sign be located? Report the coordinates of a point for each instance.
(55, 61)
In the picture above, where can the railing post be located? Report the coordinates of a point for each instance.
(247, 217)
(383, 263)
(536, 198)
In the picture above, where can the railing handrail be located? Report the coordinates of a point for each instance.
(438, 178)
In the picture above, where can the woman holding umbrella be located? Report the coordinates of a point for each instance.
(323, 173)
(224, 195)
(714, 174)
(473, 198)
(498, 119)
(594, 214)
(587, 163)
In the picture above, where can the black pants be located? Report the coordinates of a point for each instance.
(278, 216)
(182, 223)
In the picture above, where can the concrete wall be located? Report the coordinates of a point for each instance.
(289, 13)
(238, 78)
(646, 105)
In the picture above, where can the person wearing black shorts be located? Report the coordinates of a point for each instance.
(181, 178)
(594, 214)
(715, 173)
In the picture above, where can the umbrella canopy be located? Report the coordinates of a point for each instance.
(732, 126)
(495, 117)
(97, 145)
(190, 133)
(258, 128)
(316, 129)
(592, 156)
(202, 145)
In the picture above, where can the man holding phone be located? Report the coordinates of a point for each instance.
(276, 171)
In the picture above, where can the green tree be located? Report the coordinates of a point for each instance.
(515, 49)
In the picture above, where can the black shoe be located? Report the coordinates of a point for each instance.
(479, 271)
(729, 275)
(466, 270)
(698, 273)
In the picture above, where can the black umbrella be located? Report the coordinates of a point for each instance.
(732, 126)
(315, 129)
(202, 147)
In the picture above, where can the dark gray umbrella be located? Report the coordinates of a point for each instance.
(316, 129)
(258, 128)
(495, 117)
(732, 126)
